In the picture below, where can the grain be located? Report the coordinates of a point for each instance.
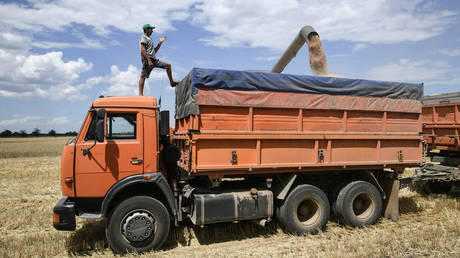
(317, 57)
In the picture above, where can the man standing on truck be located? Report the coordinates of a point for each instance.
(149, 60)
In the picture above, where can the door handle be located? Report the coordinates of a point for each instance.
(136, 161)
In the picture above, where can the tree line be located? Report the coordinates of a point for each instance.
(35, 133)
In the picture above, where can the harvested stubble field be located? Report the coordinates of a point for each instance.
(29, 188)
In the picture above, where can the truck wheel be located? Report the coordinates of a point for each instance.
(138, 224)
(359, 204)
(306, 210)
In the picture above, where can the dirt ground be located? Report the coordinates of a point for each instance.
(29, 189)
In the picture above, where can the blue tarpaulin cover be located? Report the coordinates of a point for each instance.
(200, 78)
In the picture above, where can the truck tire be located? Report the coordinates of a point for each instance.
(305, 211)
(358, 204)
(138, 224)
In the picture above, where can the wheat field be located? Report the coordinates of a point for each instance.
(29, 189)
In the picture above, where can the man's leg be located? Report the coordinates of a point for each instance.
(141, 86)
(169, 72)
(160, 64)
(145, 73)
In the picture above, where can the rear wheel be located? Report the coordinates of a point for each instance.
(306, 210)
(138, 224)
(358, 204)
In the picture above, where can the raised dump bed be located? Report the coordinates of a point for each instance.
(233, 123)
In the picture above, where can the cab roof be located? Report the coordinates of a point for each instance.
(126, 101)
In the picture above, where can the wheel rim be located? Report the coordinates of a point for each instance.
(138, 226)
(308, 212)
(363, 206)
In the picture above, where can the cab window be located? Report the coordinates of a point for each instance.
(121, 126)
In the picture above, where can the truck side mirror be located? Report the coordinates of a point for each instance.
(164, 122)
(100, 131)
(100, 113)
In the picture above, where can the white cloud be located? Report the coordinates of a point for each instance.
(202, 63)
(267, 58)
(50, 68)
(273, 24)
(122, 83)
(126, 83)
(360, 46)
(437, 76)
(407, 70)
(99, 15)
(48, 75)
(24, 21)
(45, 76)
(19, 122)
(27, 120)
(14, 42)
(450, 52)
(88, 44)
(257, 23)
(59, 120)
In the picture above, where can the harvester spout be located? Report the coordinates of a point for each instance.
(317, 57)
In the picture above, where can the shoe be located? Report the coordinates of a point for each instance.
(174, 84)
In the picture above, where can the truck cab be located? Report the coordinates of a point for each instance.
(95, 169)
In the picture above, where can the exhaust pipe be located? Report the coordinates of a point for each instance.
(318, 63)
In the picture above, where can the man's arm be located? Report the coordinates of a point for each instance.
(144, 54)
(159, 43)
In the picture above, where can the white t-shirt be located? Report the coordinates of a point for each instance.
(147, 41)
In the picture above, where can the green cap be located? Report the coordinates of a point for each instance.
(146, 26)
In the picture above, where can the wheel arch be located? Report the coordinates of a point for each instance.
(149, 184)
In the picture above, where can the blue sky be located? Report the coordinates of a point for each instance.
(56, 57)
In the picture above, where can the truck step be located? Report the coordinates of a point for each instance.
(90, 215)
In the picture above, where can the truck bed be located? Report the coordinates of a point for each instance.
(441, 121)
(240, 132)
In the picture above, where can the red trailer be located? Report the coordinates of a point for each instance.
(441, 122)
(441, 130)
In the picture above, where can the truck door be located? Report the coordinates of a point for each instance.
(119, 156)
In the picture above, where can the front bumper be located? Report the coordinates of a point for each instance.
(64, 215)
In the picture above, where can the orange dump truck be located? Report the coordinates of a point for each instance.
(246, 146)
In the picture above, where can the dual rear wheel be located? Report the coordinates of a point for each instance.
(358, 204)
(306, 210)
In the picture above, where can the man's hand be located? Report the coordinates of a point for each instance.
(150, 63)
(162, 39)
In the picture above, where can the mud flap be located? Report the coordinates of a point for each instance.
(391, 188)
